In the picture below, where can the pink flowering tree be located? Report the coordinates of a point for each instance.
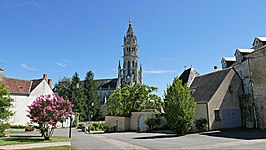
(47, 110)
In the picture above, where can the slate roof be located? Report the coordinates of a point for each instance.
(241, 50)
(17, 86)
(106, 83)
(187, 75)
(203, 87)
(35, 83)
(229, 58)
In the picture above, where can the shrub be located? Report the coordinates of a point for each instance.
(17, 126)
(2, 129)
(97, 126)
(152, 122)
(201, 124)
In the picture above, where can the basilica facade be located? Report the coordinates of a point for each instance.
(130, 73)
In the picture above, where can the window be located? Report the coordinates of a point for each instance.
(217, 115)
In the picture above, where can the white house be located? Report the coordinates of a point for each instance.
(24, 92)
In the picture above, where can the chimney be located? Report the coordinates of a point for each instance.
(50, 82)
(215, 68)
(1, 74)
(44, 76)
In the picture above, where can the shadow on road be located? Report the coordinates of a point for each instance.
(246, 134)
(158, 136)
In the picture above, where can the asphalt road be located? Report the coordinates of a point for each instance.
(230, 139)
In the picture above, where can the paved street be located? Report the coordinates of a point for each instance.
(239, 139)
(230, 139)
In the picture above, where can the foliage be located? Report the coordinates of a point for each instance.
(179, 107)
(17, 126)
(47, 111)
(78, 97)
(2, 129)
(5, 103)
(201, 123)
(93, 106)
(97, 126)
(152, 122)
(83, 94)
(133, 98)
(63, 88)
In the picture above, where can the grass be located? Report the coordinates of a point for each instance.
(30, 139)
(53, 148)
(14, 131)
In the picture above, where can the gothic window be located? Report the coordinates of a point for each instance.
(133, 64)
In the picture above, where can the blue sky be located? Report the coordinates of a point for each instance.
(63, 37)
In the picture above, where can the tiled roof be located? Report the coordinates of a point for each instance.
(205, 86)
(106, 83)
(17, 86)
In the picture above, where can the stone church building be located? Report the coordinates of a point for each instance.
(128, 74)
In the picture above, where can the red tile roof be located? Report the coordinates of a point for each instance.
(17, 86)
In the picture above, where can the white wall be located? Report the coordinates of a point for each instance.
(22, 101)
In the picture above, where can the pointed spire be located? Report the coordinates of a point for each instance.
(119, 66)
(130, 20)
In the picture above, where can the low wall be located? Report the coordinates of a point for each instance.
(116, 123)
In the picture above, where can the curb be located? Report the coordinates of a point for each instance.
(35, 145)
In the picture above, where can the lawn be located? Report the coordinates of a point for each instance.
(30, 139)
(53, 148)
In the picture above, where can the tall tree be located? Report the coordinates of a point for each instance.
(64, 88)
(179, 107)
(78, 96)
(133, 98)
(92, 107)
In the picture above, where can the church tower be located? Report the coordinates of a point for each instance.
(130, 74)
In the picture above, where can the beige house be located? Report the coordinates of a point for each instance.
(217, 98)
(24, 92)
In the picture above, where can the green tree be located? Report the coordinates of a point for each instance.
(133, 98)
(5, 104)
(92, 107)
(78, 96)
(179, 107)
(63, 88)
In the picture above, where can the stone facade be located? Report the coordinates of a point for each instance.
(250, 65)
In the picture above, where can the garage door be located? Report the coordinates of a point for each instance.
(231, 118)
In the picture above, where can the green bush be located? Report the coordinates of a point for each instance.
(97, 126)
(2, 129)
(201, 124)
(17, 126)
(152, 122)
